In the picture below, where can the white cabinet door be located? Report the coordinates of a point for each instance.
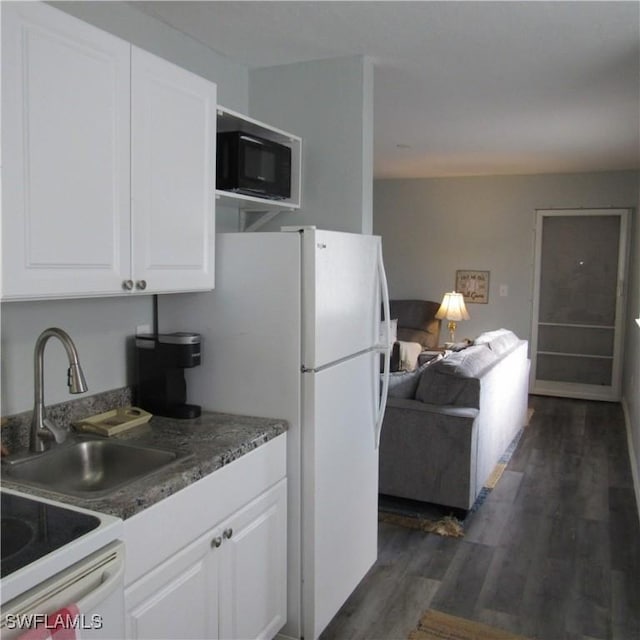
(178, 599)
(173, 186)
(253, 573)
(66, 160)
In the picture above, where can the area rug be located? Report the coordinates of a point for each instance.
(436, 519)
(448, 526)
(435, 625)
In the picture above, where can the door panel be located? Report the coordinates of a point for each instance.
(173, 156)
(340, 485)
(253, 585)
(179, 598)
(65, 126)
(579, 302)
(341, 299)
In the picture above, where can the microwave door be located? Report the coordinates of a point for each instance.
(254, 166)
(259, 165)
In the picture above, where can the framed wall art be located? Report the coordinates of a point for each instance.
(473, 285)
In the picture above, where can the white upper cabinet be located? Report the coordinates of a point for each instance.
(173, 160)
(88, 124)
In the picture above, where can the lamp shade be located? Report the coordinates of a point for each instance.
(452, 307)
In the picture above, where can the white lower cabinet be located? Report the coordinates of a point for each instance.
(228, 583)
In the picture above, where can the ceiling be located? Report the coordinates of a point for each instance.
(461, 88)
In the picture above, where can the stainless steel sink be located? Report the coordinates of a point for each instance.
(88, 468)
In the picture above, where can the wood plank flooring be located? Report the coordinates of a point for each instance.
(553, 554)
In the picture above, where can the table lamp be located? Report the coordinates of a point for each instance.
(453, 309)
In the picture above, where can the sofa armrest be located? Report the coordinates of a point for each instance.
(428, 452)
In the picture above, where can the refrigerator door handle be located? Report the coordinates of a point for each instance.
(384, 348)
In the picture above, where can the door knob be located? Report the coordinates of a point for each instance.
(216, 542)
(141, 284)
(228, 533)
(127, 285)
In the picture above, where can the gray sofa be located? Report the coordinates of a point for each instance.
(448, 423)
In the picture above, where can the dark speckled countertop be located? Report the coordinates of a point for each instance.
(207, 444)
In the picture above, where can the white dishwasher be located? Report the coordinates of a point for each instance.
(62, 571)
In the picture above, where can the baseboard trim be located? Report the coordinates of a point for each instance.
(632, 454)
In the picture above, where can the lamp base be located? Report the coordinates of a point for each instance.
(452, 329)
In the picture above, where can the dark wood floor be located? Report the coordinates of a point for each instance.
(554, 552)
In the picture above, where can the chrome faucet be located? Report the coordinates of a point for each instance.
(42, 429)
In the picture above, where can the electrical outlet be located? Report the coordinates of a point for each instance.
(504, 290)
(143, 328)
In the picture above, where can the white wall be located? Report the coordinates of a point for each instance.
(329, 103)
(100, 327)
(432, 227)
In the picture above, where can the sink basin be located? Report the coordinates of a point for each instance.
(89, 468)
(16, 534)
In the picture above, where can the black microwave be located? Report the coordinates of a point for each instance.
(252, 165)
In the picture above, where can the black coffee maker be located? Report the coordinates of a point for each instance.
(161, 360)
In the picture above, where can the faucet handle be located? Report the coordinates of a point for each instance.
(58, 433)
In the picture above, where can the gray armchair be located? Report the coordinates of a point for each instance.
(416, 323)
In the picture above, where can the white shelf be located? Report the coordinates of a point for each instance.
(253, 203)
(232, 121)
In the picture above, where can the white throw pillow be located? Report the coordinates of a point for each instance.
(409, 352)
(393, 331)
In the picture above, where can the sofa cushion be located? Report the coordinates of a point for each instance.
(500, 341)
(454, 380)
(468, 363)
(403, 384)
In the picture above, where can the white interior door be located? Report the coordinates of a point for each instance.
(340, 485)
(341, 299)
(579, 302)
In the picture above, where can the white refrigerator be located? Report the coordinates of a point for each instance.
(293, 331)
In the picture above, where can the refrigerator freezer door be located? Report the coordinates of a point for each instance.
(340, 485)
(340, 295)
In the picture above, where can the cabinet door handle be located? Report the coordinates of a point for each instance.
(228, 533)
(216, 542)
(141, 284)
(127, 285)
